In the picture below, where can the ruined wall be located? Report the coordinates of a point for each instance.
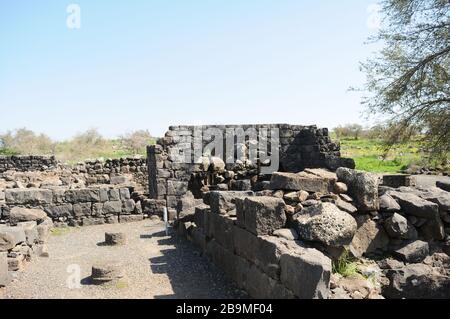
(299, 147)
(73, 207)
(27, 163)
(242, 244)
(115, 171)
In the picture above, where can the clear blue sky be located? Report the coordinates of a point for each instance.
(150, 64)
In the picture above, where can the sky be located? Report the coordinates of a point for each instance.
(140, 64)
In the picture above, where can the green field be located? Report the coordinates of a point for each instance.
(370, 155)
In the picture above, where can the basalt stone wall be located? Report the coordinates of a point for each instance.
(300, 147)
(112, 171)
(242, 244)
(91, 172)
(74, 207)
(27, 163)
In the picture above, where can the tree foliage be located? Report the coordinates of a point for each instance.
(408, 82)
(26, 142)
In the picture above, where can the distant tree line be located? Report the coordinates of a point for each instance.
(381, 132)
(88, 144)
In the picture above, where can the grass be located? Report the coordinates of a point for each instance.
(345, 266)
(369, 155)
(60, 231)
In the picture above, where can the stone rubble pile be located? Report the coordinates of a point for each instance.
(22, 240)
(283, 241)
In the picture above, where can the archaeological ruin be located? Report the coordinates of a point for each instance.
(275, 207)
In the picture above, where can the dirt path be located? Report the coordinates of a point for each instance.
(430, 180)
(156, 267)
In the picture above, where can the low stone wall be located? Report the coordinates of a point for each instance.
(115, 171)
(242, 243)
(27, 163)
(74, 207)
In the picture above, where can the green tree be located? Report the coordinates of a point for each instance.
(408, 82)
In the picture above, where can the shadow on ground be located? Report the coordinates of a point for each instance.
(191, 275)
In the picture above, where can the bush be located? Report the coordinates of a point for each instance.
(26, 142)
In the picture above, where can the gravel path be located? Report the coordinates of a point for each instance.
(156, 266)
(430, 180)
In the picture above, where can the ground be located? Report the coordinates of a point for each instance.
(156, 266)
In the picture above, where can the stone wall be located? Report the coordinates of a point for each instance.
(27, 163)
(169, 180)
(73, 207)
(242, 243)
(115, 171)
(40, 171)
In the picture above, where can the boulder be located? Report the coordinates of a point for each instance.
(443, 185)
(414, 205)
(369, 237)
(413, 252)
(19, 214)
(362, 186)
(389, 204)
(398, 227)
(261, 215)
(417, 281)
(306, 272)
(326, 224)
(300, 181)
(340, 188)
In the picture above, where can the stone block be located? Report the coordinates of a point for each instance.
(130, 218)
(263, 215)
(114, 195)
(82, 209)
(261, 286)
(307, 273)
(124, 194)
(221, 229)
(82, 195)
(15, 235)
(223, 202)
(20, 214)
(112, 207)
(413, 252)
(31, 232)
(56, 211)
(245, 243)
(28, 196)
(300, 181)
